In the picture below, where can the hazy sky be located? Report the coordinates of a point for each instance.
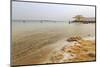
(38, 11)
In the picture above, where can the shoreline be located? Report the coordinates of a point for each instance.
(59, 52)
(77, 54)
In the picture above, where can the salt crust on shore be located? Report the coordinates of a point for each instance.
(75, 51)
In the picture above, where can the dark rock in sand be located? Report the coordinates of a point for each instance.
(74, 38)
(91, 54)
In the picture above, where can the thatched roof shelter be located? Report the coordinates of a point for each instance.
(82, 19)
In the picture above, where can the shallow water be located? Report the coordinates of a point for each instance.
(30, 38)
(69, 29)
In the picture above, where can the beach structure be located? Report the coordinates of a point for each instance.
(82, 19)
(89, 20)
